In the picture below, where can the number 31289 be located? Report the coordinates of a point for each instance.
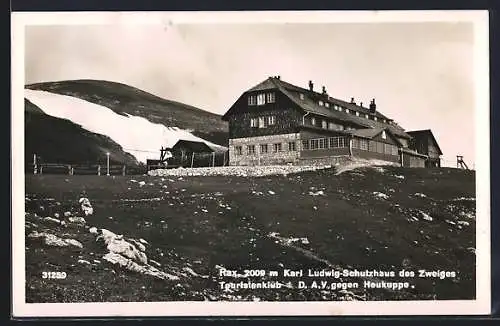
(54, 275)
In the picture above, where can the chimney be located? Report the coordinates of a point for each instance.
(373, 106)
(352, 100)
(311, 85)
(324, 90)
(279, 77)
(361, 104)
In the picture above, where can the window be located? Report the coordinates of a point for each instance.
(291, 146)
(323, 143)
(355, 143)
(320, 103)
(327, 104)
(372, 147)
(253, 122)
(251, 149)
(314, 143)
(366, 116)
(380, 148)
(363, 144)
(384, 136)
(271, 120)
(277, 147)
(263, 148)
(262, 122)
(334, 126)
(347, 110)
(261, 99)
(313, 121)
(252, 100)
(238, 150)
(324, 125)
(270, 97)
(357, 113)
(305, 144)
(301, 96)
(336, 142)
(387, 149)
(375, 118)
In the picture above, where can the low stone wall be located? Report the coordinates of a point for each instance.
(328, 160)
(242, 171)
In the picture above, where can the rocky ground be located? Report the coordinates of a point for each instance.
(163, 238)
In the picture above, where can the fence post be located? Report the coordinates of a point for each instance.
(98, 169)
(34, 164)
(123, 170)
(41, 169)
(72, 171)
(192, 159)
(213, 159)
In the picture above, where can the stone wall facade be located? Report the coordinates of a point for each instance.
(239, 153)
(285, 156)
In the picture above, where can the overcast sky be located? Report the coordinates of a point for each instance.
(421, 74)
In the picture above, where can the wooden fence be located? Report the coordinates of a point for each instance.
(83, 169)
(192, 160)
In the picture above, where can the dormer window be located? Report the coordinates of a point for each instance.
(301, 96)
(320, 103)
(384, 135)
(375, 118)
(357, 113)
(313, 121)
(327, 104)
(324, 124)
(367, 116)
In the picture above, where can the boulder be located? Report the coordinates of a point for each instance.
(55, 241)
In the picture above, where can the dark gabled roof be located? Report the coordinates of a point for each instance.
(311, 105)
(424, 133)
(308, 105)
(193, 146)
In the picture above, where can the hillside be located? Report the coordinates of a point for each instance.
(168, 238)
(124, 99)
(57, 140)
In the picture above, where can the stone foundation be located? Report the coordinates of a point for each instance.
(329, 160)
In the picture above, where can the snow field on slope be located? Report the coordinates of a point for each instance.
(137, 136)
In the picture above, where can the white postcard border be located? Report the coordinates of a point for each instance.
(481, 305)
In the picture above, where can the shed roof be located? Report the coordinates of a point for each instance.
(192, 146)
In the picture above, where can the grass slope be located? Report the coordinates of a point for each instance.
(122, 99)
(187, 223)
(61, 141)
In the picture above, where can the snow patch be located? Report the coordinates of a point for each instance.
(135, 134)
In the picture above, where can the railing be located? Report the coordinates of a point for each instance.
(83, 169)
